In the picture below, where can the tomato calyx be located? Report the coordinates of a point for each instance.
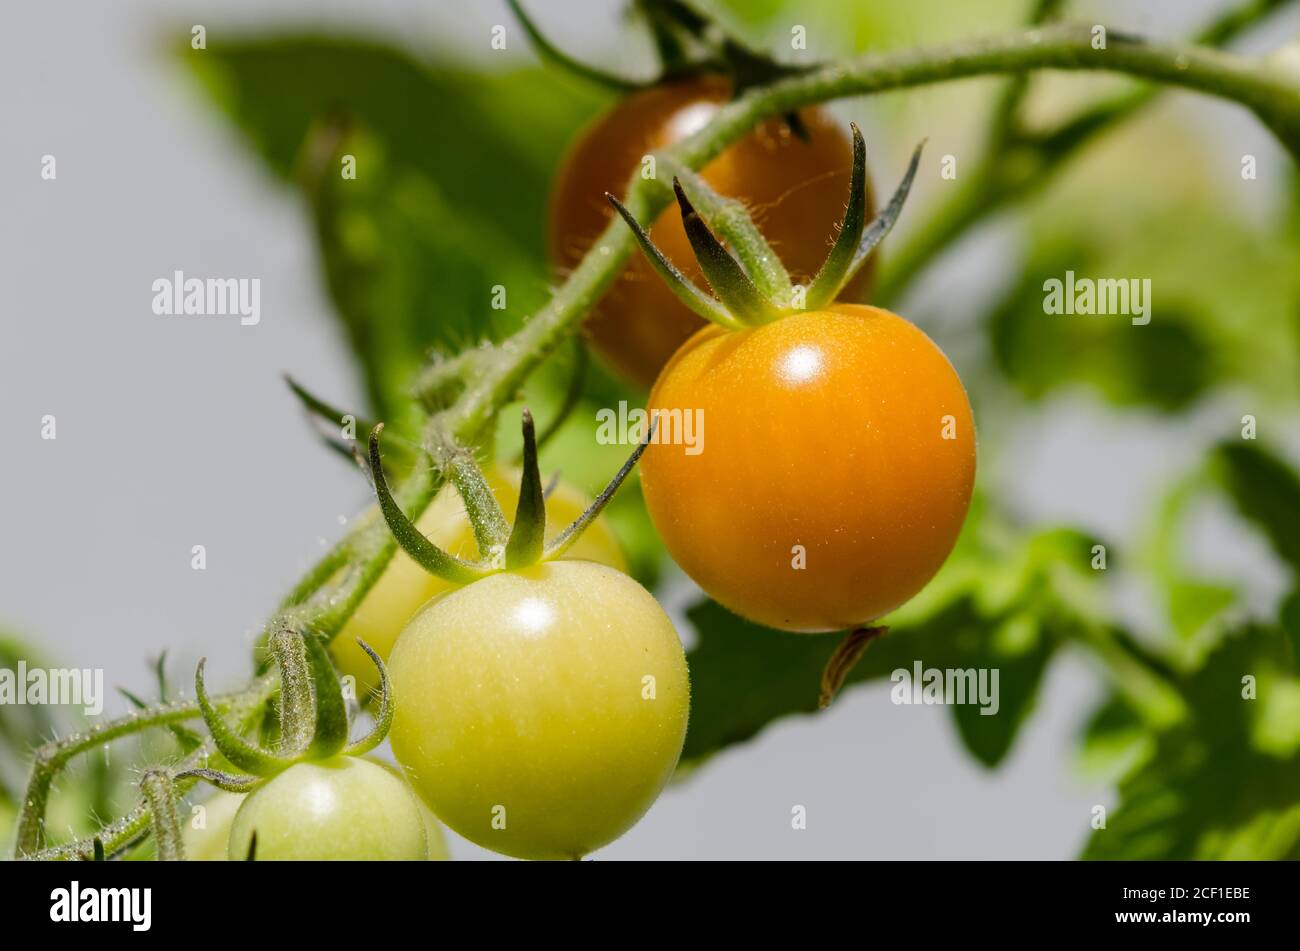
(745, 273)
(314, 721)
(501, 547)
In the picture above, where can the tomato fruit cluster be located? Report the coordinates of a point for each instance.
(544, 696)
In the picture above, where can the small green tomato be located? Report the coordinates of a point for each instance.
(210, 840)
(542, 710)
(345, 808)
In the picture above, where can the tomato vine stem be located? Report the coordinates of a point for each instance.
(1016, 162)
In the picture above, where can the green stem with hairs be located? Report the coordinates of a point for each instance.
(1015, 164)
(1274, 98)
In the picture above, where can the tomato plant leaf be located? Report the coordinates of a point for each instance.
(987, 730)
(1266, 490)
(438, 213)
(986, 611)
(1226, 783)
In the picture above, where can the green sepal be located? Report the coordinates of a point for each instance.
(230, 744)
(566, 538)
(884, 222)
(723, 272)
(833, 275)
(422, 551)
(384, 721)
(731, 219)
(331, 733)
(686, 292)
(529, 533)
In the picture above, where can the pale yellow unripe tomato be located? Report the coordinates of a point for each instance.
(405, 586)
(541, 711)
(207, 838)
(341, 809)
(209, 841)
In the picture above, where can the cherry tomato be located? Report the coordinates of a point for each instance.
(793, 187)
(207, 833)
(345, 808)
(835, 472)
(434, 838)
(541, 711)
(405, 586)
(8, 821)
(211, 841)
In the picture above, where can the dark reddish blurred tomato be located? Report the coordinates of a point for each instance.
(796, 191)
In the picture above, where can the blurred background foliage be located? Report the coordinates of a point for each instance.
(456, 159)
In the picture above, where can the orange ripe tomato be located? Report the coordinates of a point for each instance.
(792, 187)
(833, 474)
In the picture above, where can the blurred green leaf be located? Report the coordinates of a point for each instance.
(992, 606)
(1115, 740)
(1020, 672)
(406, 275)
(1193, 603)
(93, 784)
(453, 169)
(439, 213)
(488, 139)
(1166, 363)
(1224, 292)
(22, 726)
(1225, 784)
(1266, 490)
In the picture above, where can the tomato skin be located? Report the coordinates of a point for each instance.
(404, 586)
(821, 430)
(520, 697)
(796, 189)
(435, 839)
(212, 842)
(346, 808)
